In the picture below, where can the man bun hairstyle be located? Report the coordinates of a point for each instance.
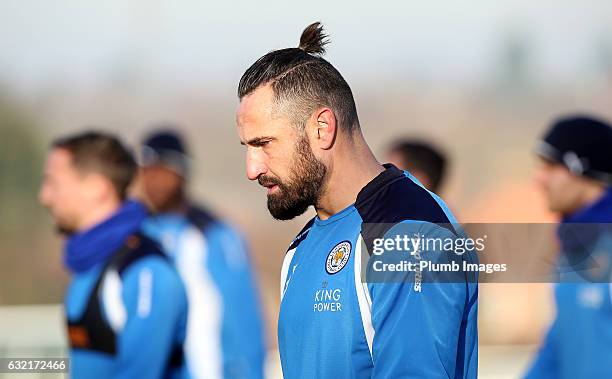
(303, 81)
(313, 39)
(101, 153)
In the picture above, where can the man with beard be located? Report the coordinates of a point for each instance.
(126, 307)
(213, 261)
(298, 120)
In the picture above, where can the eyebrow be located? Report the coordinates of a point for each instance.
(257, 141)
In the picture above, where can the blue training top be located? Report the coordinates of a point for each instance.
(126, 316)
(225, 334)
(334, 323)
(579, 342)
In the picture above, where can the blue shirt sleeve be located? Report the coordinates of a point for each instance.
(156, 310)
(424, 328)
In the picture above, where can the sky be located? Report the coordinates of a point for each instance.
(76, 42)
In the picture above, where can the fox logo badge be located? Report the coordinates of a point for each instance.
(338, 257)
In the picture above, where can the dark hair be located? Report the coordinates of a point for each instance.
(423, 156)
(101, 153)
(301, 78)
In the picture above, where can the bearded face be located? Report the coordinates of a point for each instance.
(279, 154)
(301, 189)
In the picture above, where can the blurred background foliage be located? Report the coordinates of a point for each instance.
(26, 259)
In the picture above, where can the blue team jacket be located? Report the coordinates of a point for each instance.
(225, 335)
(579, 342)
(145, 306)
(334, 323)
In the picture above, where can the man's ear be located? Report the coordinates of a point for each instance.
(326, 128)
(97, 186)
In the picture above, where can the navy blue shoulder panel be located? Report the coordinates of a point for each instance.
(392, 197)
(200, 217)
(301, 236)
(140, 246)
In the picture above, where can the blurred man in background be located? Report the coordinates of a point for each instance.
(225, 337)
(126, 306)
(422, 159)
(298, 120)
(576, 175)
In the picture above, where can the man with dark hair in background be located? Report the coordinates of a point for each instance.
(576, 176)
(422, 159)
(126, 307)
(298, 121)
(225, 336)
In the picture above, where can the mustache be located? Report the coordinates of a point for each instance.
(268, 181)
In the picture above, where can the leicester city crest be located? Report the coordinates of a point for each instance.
(338, 257)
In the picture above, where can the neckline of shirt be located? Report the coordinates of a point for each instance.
(338, 216)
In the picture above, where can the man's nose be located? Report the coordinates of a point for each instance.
(255, 165)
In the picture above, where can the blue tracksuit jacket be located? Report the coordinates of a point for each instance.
(579, 342)
(225, 335)
(134, 324)
(338, 320)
